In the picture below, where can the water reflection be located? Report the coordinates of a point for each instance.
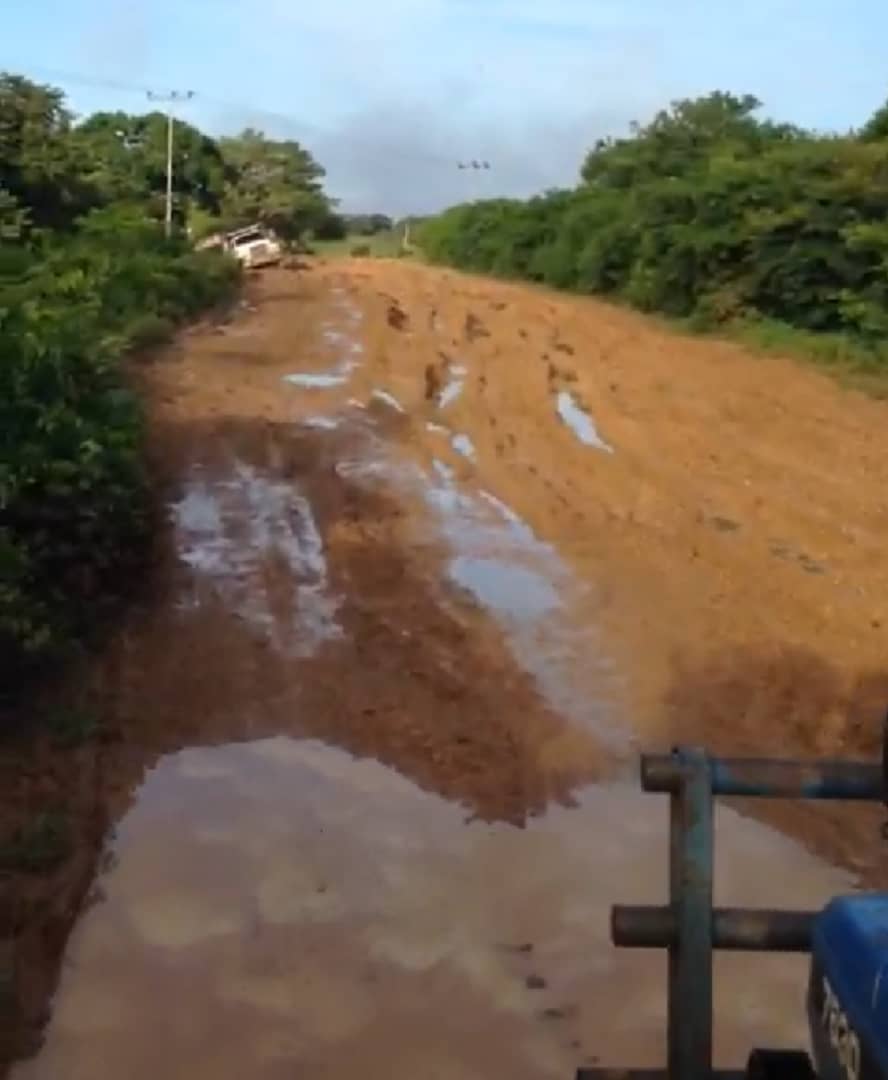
(280, 905)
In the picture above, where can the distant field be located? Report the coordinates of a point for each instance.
(381, 245)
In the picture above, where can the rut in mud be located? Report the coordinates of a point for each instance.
(441, 555)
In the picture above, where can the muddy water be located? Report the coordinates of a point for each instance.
(580, 422)
(280, 905)
(280, 908)
(229, 531)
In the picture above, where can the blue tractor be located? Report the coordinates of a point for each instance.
(847, 996)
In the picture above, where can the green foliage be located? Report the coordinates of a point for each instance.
(40, 166)
(75, 293)
(330, 226)
(368, 224)
(125, 157)
(709, 214)
(381, 245)
(276, 183)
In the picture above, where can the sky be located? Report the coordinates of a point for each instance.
(390, 95)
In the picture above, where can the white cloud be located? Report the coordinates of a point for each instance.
(405, 88)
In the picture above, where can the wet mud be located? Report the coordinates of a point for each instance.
(365, 788)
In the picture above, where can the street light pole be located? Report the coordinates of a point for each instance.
(170, 100)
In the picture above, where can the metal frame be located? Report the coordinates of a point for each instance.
(689, 927)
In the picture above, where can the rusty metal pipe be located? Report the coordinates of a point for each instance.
(735, 929)
(777, 779)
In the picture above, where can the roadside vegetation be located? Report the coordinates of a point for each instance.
(714, 216)
(86, 276)
(369, 236)
(387, 244)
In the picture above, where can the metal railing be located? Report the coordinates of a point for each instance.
(689, 927)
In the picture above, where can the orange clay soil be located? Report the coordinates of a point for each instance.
(732, 537)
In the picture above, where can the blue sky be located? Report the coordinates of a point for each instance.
(390, 94)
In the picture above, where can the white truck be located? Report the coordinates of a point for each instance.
(254, 246)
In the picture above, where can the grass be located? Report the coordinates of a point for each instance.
(849, 360)
(382, 245)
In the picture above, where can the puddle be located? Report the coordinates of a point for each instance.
(254, 542)
(517, 591)
(546, 614)
(345, 344)
(332, 335)
(443, 471)
(361, 470)
(389, 399)
(321, 381)
(322, 423)
(450, 393)
(498, 559)
(515, 520)
(463, 445)
(580, 422)
(279, 908)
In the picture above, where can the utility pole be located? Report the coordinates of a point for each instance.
(170, 100)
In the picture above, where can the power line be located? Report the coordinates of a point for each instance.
(83, 80)
(75, 78)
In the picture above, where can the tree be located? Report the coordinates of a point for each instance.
(330, 227)
(877, 126)
(40, 167)
(13, 219)
(369, 224)
(710, 212)
(682, 138)
(275, 182)
(126, 158)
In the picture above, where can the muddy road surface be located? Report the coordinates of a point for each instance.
(441, 555)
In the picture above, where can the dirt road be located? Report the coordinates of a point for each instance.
(441, 555)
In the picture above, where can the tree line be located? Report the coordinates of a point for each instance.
(709, 213)
(87, 275)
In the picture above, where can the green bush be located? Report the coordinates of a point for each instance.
(73, 496)
(707, 214)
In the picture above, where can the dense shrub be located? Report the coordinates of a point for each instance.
(73, 506)
(706, 213)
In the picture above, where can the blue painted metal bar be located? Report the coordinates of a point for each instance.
(689, 1033)
(736, 929)
(689, 927)
(852, 780)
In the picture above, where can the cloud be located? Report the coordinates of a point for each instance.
(404, 89)
(405, 160)
(390, 94)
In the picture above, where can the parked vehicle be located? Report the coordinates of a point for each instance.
(255, 246)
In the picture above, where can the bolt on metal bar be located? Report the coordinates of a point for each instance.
(689, 1023)
(754, 777)
(736, 929)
